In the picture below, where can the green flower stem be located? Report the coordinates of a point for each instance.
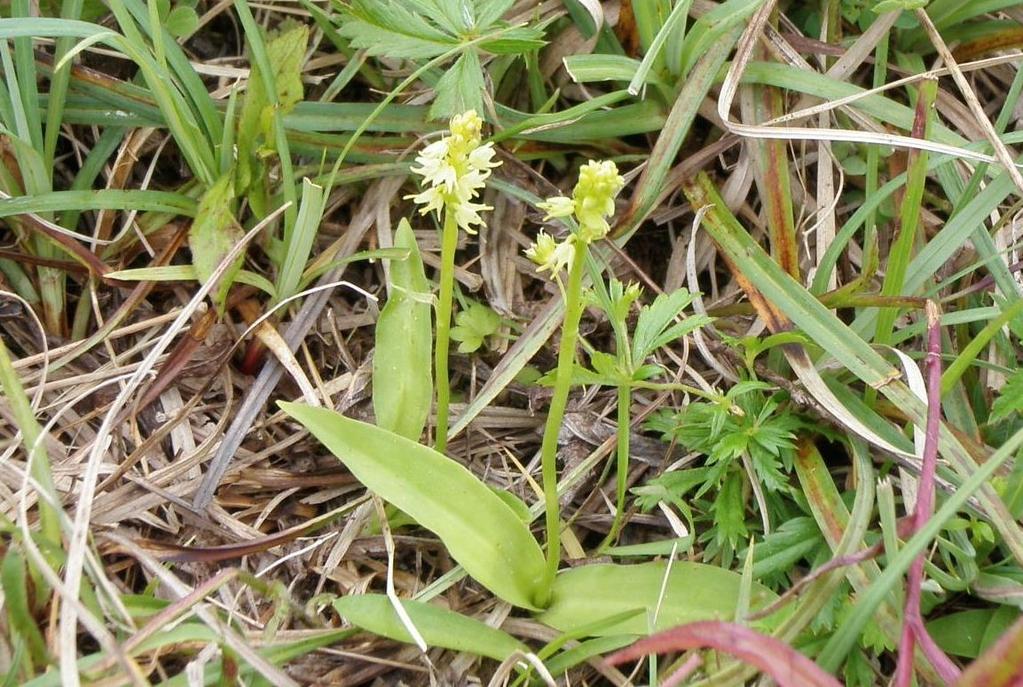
(562, 382)
(622, 468)
(449, 242)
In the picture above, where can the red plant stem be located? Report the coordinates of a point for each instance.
(774, 658)
(913, 625)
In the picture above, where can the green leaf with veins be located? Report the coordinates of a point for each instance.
(212, 236)
(424, 29)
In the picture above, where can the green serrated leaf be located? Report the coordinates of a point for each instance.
(479, 529)
(729, 512)
(438, 626)
(515, 41)
(213, 234)
(656, 325)
(460, 89)
(489, 11)
(402, 361)
(387, 27)
(1010, 398)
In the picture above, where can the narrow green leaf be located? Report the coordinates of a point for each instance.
(402, 367)
(591, 68)
(694, 591)
(656, 325)
(299, 241)
(480, 530)
(438, 626)
(106, 199)
(188, 273)
(35, 448)
(16, 596)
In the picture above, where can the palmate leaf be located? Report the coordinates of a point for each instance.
(473, 326)
(388, 27)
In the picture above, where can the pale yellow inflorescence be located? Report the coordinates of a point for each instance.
(454, 171)
(592, 202)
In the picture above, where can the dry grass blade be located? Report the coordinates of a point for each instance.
(78, 537)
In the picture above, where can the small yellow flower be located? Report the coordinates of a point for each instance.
(592, 201)
(454, 171)
(551, 255)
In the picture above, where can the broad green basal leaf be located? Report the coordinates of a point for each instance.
(480, 530)
(403, 357)
(438, 626)
(693, 591)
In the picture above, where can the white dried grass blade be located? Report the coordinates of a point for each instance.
(814, 384)
(697, 304)
(270, 672)
(392, 595)
(916, 384)
(1001, 152)
(768, 130)
(596, 13)
(503, 672)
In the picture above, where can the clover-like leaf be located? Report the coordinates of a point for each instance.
(473, 325)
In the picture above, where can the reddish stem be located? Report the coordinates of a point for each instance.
(913, 625)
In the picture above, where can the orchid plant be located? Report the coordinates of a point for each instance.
(454, 171)
(591, 204)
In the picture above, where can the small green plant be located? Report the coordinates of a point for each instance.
(487, 531)
(657, 325)
(430, 29)
(748, 438)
